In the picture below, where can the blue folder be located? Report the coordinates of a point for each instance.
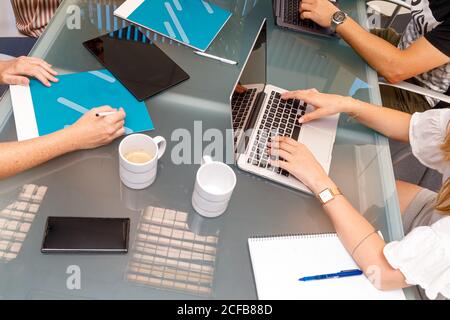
(192, 22)
(66, 101)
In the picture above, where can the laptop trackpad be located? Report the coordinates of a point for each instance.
(319, 142)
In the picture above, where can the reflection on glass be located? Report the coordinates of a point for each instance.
(167, 255)
(239, 8)
(360, 174)
(16, 219)
(289, 54)
(101, 15)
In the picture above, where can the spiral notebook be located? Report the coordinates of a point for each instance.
(279, 261)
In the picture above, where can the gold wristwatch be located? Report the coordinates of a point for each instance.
(328, 194)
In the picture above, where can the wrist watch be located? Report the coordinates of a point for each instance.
(328, 194)
(337, 18)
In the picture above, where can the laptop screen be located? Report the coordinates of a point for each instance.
(251, 82)
(254, 71)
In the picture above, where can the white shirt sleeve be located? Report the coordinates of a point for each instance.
(427, 132)
(423, 257)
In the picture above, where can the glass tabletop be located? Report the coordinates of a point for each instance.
(175, 253)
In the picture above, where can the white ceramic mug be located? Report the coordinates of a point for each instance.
(214, 185)
(140, 175)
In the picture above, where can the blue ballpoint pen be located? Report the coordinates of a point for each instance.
(341, 274)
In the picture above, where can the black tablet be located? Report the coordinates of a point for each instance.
(138, 63)
(86, 235)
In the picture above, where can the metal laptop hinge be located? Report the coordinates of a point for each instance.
(255, 110)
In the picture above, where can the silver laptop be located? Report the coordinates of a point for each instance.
(287, 16)
(258, 113)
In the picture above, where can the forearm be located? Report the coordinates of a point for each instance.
(391, 123)
(360, 239)
(3, 64)
(384, 57)
(16, 157)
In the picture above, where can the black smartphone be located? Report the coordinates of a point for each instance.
(86, 235)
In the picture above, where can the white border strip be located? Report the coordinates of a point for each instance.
(127, 8)
(24, 115)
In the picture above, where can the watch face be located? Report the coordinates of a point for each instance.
(326, 195)
(339, 16)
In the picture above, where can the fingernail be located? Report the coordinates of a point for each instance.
(300, 120)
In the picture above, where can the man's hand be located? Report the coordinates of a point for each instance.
(240, 89)
(319, 11)
(17, 71)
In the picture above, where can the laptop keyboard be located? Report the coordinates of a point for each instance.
(280, 118)
(292, 15)
(240, 107)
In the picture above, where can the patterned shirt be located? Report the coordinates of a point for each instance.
(32, 16)
(431, 19)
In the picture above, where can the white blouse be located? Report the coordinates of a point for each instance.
(423, 256)
(427, 132)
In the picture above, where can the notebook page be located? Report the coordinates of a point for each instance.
(278, 263)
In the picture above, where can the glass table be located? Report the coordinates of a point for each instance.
(175, 253)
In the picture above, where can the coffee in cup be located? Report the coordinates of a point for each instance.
(139, 156)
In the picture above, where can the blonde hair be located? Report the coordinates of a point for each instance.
(443, 197)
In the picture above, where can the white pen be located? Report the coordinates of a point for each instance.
(215, 57)
(104, 114)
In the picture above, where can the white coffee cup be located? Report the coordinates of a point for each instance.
(214, 185)
(140, 175)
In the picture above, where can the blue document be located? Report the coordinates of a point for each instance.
(67, 100)
(192, 22)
